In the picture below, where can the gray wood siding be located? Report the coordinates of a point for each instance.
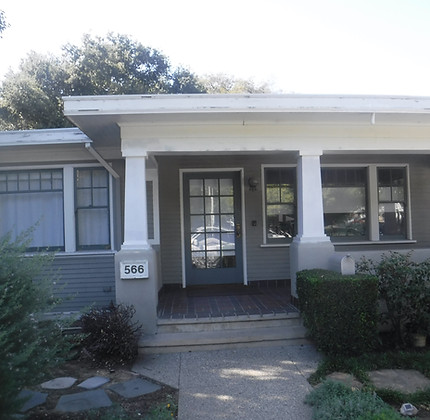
(262, 263)
(83, 281)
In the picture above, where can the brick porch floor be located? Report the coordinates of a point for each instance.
(225, 300)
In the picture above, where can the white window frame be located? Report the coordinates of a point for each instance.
(373, 202)
(152, 176)
(69, 218)
(266, 244)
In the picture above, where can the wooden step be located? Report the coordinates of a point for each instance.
(218, 333)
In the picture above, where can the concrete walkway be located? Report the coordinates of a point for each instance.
(253, 384)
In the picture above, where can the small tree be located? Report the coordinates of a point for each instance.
(404, 290)
(29, 345)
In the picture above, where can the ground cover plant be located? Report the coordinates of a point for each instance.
(359, 366)
(29, 344)
(333, 400)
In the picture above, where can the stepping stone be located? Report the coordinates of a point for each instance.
(34, 399)
(134, 388)
(406, 381)
(94, 382)
(59, 383)
(81, 401)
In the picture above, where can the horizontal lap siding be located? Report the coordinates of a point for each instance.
(83, 281)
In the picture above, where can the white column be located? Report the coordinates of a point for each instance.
(142, 293)
(135, 209)
(311, 248)
(309, 199)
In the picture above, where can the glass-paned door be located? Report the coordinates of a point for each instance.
(213, 231)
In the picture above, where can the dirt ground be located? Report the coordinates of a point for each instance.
(82, 370)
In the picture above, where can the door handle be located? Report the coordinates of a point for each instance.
(238, 230)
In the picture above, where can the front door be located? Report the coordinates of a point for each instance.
(213, 228)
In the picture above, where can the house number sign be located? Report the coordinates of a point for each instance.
(134, 269)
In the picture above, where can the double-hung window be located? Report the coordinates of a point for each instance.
(67, 209)
(365, 203)
(280, 204)
(92, 208)
(392, 203)
(345, 203)
(33, 199)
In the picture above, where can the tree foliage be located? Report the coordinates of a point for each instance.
(29, 345)
(31, 98)
(223, 83)
(3, 23)
(114, 65)
(118, 65)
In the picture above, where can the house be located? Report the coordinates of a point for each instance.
(158, 190)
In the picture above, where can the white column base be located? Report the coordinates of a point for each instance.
(308, 253)
(141, 293)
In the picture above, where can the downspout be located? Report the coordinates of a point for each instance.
(100, 159)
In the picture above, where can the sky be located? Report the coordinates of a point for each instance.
(364, 47)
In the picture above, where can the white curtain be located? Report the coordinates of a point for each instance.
(41, 210)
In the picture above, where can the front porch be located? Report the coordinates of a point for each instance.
(225, 316)
(219, 301)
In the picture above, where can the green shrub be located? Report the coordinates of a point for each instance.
(111, 336)
(29, 345)
(333, 400)
(404, 288)
(340, 312)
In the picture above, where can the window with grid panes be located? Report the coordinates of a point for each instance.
(92, 208)
(280, 203)
(33, 199)
(392, 203)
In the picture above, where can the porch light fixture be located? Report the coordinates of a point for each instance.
(253, 183)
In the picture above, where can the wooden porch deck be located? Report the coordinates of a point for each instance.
(259, 298)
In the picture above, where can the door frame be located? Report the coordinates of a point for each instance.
(242, 196)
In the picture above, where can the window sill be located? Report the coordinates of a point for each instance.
(75, 253)
(394, 242)
(284, 245)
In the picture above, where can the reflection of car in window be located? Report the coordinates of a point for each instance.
(212, 238)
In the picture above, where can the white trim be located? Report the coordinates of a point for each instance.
(372, 194)
(376, 243)
(69, 209)
(152, 175)
(263, 192)
(243, 221)
(69, 217)
(373, 202)
(111, 211)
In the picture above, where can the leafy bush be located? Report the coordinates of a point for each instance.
(404, 289)
(333, 400)
(111, 335)
(29, 345)
(340, 312)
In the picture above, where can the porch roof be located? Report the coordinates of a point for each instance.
(101, 117)
(51, 136)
